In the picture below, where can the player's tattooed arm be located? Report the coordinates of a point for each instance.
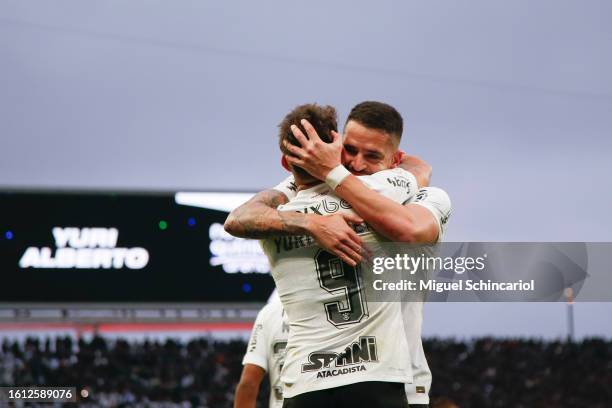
(259, 218)
(418, 167)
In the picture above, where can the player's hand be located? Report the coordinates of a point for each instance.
(334, 234)
(315, 156)
(418, 167)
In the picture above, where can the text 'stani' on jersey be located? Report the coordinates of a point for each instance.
(363, 350)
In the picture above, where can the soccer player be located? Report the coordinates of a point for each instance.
(371, 138)
(339, 351)
(372, 134)
(416, 391)
(265, 353)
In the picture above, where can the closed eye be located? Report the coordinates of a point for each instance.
(350, 149)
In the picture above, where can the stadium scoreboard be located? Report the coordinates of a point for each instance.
(126, 247)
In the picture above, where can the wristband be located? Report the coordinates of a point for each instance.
(337, 176)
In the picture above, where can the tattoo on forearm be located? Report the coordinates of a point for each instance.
(292, 222)
(259, 218)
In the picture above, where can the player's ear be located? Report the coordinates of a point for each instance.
(397, 158)
(285, 163)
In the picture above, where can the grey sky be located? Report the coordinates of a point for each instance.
(511, 102)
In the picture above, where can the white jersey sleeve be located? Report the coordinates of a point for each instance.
(258, 347)
(267, 345)
(397, 184)
(438, 203)
(287, 187)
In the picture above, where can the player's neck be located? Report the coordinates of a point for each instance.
(307, 186)
(305, 183)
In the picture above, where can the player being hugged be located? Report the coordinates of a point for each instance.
(338, 340)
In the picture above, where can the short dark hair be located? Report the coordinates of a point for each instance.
(378, 115)
(323, 118)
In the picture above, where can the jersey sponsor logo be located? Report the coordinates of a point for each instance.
(326, 206)
(292, 186)
(342, 371)
(399, 181)
(363, 350)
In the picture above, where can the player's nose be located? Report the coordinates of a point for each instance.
(358, 164)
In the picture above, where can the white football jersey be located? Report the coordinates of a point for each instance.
(437, 201)
(267, 345)
(337, 337)
(417, 392)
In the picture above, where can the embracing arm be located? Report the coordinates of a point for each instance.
(403, 223)
(387, 217)
(259, 218)
(418, 167)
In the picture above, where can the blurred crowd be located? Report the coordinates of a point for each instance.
(200, 373)
(203, 373)
(522, 373)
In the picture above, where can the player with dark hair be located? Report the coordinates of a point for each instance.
(323, 118)
(336, 337)
(369, 149)
(366, 128)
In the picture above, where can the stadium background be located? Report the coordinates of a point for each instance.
(510, 102)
